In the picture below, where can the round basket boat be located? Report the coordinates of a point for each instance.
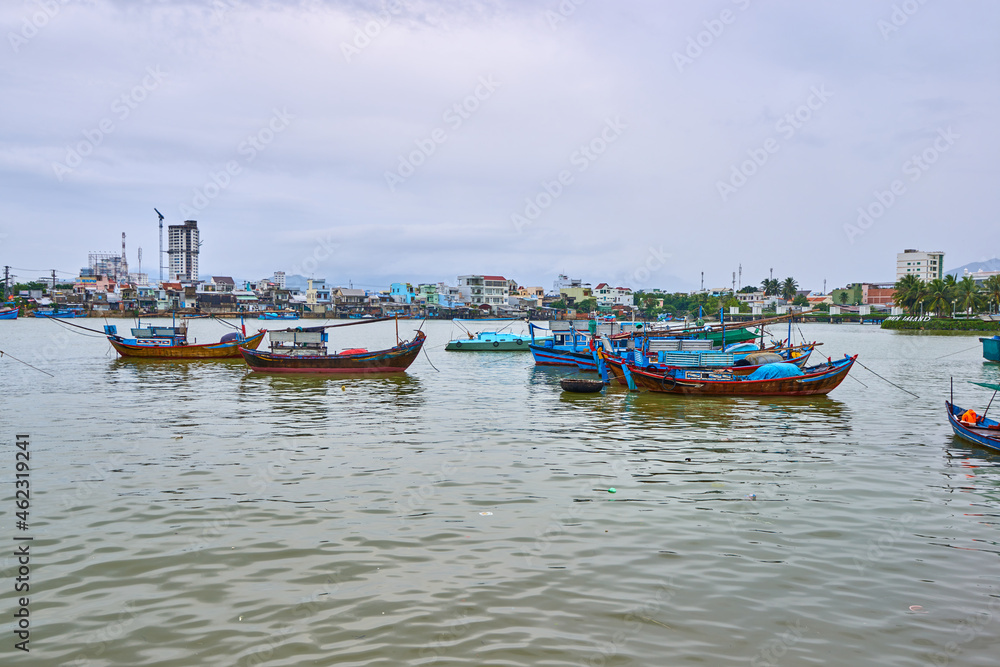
(581, 386)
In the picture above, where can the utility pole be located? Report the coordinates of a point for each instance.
(741, 276)
(52, 292)
(824, 285)
(702, 281)
(772, 274)
(734, 282)
(6, 282)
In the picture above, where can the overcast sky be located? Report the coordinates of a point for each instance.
(632, 142)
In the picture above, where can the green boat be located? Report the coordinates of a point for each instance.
(491, 341)
(991, 348)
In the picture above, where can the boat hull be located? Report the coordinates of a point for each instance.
(228, 350)
(8, 314)
(815, 382)
(393, 360)
(991, 348)
(988, 438)
(548, 356)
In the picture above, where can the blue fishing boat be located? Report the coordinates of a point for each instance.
(8, 314)
(60, 314)
(973, 427)
(278, 315)
(991, 348)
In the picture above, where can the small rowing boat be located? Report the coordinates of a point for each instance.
(973, 427)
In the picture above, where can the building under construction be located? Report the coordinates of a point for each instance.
(108, 264)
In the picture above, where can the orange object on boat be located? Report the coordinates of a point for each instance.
(969, 417)
(354, 350)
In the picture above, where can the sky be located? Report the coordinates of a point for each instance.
(637, 142)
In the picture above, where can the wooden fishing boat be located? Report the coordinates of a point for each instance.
(813, 381)
(171, 343)
(797, 356)
(61, 314)
(303, 350)
(973, 427)
(8, 313)
(278, 315)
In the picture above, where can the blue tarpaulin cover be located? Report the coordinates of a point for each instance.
(774, 371)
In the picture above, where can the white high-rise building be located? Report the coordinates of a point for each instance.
(182, 244)
(924, 265)
(279, 279)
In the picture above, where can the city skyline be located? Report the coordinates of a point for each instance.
(634, 144)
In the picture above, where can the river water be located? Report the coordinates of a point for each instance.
(190, 513)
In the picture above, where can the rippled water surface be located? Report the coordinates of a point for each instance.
(190, 513)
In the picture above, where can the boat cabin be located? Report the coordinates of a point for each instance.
(299, 342)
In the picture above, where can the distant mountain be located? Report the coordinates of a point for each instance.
(988, 265)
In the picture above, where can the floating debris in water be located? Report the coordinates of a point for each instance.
(486, 514)
(612, 490)
(751, 496)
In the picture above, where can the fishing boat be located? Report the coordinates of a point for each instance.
(304, 350)
(278, 315)
(8, 313)
(490, 341)
(770, 380)
(991, 348)
(60, 314)
(154, 342)
(976, 428)
(735, 364)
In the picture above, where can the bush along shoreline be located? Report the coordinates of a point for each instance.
(927, 323)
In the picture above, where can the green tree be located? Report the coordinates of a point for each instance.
(788, 288)
(770, 286)
(968, 295)
(910, 291)
(559, 304)
(800, 300)
(587, 305)
(991, 290)
(938, 296)
(843, 297)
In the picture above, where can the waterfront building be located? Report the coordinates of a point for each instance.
(401, 292)
(279, 279)
(980, 276)
(925, 265)
(573, 294)
(182, 251)
(478, 290)
(608, 296)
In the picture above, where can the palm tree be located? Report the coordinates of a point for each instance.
(843, 297)
(938, 296)
(789, 288)
(909, 293)
(992, 290)
(770, 286)
(967, 294)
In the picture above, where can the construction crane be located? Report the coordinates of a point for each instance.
(161, 244)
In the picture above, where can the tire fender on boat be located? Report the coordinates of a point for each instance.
(496, 344)
(668, 382)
